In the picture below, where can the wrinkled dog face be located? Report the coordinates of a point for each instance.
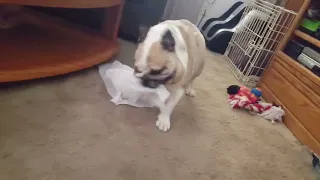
(153, 57)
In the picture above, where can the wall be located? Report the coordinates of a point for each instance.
(183, 9)
(193, 10)
(214, 8)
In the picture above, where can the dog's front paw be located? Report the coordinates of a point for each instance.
(163, 123)
(190, 92)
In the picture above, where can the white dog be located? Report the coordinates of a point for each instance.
(170, 53)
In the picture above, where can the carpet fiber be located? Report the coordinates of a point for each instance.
(65, 128)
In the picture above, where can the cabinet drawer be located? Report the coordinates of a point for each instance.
(297, 82)
(301, 72)
(293, 99)
(293, 124)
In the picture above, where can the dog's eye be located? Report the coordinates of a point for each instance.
(157, 71)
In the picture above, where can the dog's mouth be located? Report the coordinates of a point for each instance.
(153, 80)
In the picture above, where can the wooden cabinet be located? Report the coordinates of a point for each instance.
(296, 88)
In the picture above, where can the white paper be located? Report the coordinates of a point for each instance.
(125, 88)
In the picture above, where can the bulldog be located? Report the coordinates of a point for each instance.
(170, 53)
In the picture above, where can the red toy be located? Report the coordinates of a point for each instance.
(242, 97)
(244, 91)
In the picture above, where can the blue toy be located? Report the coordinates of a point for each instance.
(257, 92)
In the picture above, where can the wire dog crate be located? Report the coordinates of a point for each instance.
(262, 27)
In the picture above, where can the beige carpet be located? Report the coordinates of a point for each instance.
(66, 128)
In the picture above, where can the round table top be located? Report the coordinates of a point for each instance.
(65, 3)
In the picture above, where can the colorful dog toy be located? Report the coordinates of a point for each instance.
(241, 97)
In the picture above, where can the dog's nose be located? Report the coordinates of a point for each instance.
(150, 83)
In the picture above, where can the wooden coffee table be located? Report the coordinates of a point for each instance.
(44, 46)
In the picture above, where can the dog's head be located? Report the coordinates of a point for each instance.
(155, 56)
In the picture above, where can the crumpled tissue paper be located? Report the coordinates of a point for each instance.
(125, 88)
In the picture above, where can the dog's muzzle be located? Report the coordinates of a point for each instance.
(153, 81)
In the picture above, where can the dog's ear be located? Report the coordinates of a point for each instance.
(168, 43)
(143, 31)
